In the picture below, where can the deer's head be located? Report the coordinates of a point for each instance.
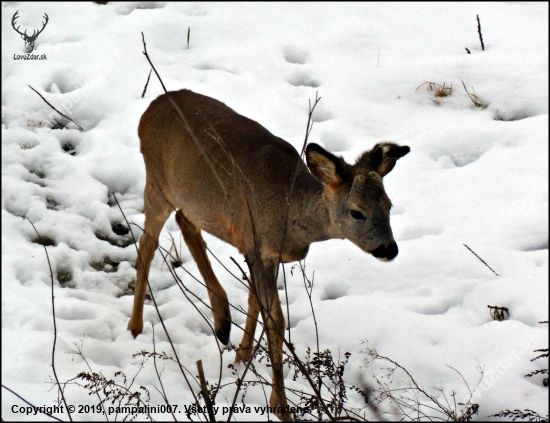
(358, 205)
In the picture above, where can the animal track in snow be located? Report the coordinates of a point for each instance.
(69, 141)
(458, 159)
(76, 310)
(535, 246)
(194, 9)
(459, 155)
(333, 140)
(460, 149)
(295, 319)
(43, 240)
(64, 276)
(430, 308)
(295, 54)
(127, 8)
(106, 264)
(117, 240)
(321, 114)
(36, 177)
(63, 81)
(511, 115)
(416, 232)
(334, 291)
(299, 77)
(214, 66)
(52, 203)
(69, 148)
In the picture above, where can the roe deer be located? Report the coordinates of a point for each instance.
(228, 175)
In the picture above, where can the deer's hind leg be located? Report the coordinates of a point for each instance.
(218, 297)
(157, 210)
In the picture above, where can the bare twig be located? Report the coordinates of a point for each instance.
(164, 396)
(58, 123)
(304, 371)
(188, 36)
(479, 31)
(287, 304)
(308, 285)
(79, 351)
(146, 84)
(410, 401)
(54, 323)
(299, 164)
(95, 382)
(204, 392)
(241, 379)
(46, 101)
(481, 260)
(521, 415)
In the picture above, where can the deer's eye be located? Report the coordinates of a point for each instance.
(357, 215)
(391, 205)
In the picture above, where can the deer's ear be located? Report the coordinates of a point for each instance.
(383, 156)
(325, 166)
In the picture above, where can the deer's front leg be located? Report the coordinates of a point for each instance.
(263, 278)
(246, 347)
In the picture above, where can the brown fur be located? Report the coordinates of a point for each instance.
(229, 176)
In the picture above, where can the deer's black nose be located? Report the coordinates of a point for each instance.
(387, 252)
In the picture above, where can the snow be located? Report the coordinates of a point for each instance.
(475, 176)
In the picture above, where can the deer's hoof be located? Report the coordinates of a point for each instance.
(223, 333)
(135, 329)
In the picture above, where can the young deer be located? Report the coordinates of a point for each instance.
(228, 175)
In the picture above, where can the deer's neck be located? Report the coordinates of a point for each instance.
(310, 220)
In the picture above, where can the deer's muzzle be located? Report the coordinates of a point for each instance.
(386, 251)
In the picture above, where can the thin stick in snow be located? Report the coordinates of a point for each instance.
(479, 31)
(46, 101)
(481, 260)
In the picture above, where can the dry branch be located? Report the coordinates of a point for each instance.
(146, 84)
(479, 32)
(204, 392)
(54, 322)
(481, 260)
(46, 101)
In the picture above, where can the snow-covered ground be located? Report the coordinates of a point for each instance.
(475, 175)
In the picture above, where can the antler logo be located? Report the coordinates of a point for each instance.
(29, 39)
